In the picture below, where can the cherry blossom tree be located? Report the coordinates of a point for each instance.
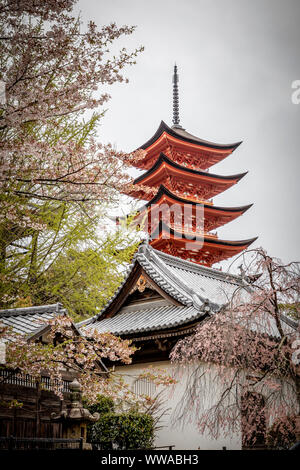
(83, 355)
(53, 68)
(243, 361)
(55, 176)
(56, 180)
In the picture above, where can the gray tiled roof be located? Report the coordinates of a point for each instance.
(209, 283)
(29, 320)
(194, 286)
(149, 319)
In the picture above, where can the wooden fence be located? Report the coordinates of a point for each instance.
(23, 443)
(26, 406)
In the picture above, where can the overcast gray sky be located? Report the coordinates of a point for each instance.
(237, 60)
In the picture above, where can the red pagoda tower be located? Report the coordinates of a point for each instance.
(177, 175)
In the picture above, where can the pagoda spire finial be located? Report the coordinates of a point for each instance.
(176, 119)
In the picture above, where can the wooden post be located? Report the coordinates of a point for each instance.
(14, 427)
(11, 443)
(37, 410)
(81, 443)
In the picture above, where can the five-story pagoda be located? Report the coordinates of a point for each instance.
(177, 176)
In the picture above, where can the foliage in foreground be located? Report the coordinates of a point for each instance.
(282, 433)
(246, 356)
(67, 350)
(131, 430)
(126, 430)
(102, 405)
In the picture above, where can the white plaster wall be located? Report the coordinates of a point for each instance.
(189, 437)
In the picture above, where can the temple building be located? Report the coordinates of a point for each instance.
(170, 286)
(180, 216)
(163, 299)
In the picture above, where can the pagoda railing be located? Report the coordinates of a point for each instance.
(189, 230)
(195, 199)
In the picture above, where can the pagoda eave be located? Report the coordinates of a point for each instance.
(176, 169)
(162, 229)
(200, 249)
(206, 256)
(198, 185)
(183, 148)
(187, 137)
(174, 210)
(189, 155)
(163, 195)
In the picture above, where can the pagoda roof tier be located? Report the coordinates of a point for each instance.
(195, 184)
(211, 218)
(183, 148)
(205, 250)
(186, 136)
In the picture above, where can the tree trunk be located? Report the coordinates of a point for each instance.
(298, 416)
(33, 261)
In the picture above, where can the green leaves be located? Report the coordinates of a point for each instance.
(126, 431)
(69, 259)
(102, 406)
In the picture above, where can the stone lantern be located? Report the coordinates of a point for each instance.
(75, 418)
